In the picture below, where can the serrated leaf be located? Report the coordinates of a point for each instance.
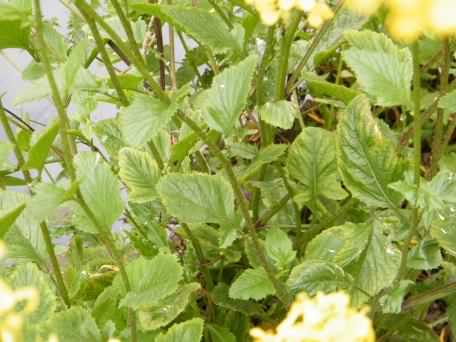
(314, 276)
(367, 160)
(140, 173)
(341, 245)
(206, 27)
(253, 283)
(151, 280)
(197, 198)
(279, 247)
(99, 188)
(312, 162)
(221, 105)
(144, 118)
(167, 309)
(74, 325)
(383, 70)
(189, 331)
(279, 113)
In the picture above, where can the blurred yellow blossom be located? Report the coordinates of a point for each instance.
(271, 11)
(365, 7)
(324, 318)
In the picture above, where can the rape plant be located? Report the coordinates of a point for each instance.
(261, 153)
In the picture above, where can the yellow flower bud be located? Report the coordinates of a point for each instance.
(319, 14)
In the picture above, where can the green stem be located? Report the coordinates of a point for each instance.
(281, 291)
(430, 296)
(437, 142)
(272, 211)
(291, 192)
(156, 154)
(311, 49)
(416, 97)
(60, 283)
(105, 57)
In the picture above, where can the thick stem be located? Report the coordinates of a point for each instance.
(417, 160)
(438, 141)
(43, 226)
(281, 291)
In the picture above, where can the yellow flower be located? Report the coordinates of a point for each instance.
(319, 14)
(365, 7)
(442, 16)
(324, 318)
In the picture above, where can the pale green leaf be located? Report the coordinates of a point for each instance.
(265, 156)
(40, 149)
(167, 309)
(312, 162)
(383, 70)
(140, 173)
(223, 103)
(443, 230)
(448, 102)
(341, 245)
(252, 284)
(15, 26)
(197, 198)
(279, 247)
(425, 255)
(279, 114)
(47, 197)
(367, 160)
(188, 331)
(6, 149)
(144, 118)
(314, 276)
(8, 217)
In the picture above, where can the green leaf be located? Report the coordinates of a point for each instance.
(189, 331)
(448, 102)
(151, 280)
(205, 27)
(392, 302)
(167, 309)
(140, 173)
(425, 255)
(252, 284)
(279, 113)
(402, 327)
(341, 245)
(8, 217)
(74, 325)
(367, 160)
(6, 149)
(383, 70)
(223, 103)
(312, 162)
(99, 188)
(44, 202)
(314, 276)
(15, 25)
(279, 247)
(265, 156)
(320, 88)
(29, 276)
(40, 149)
(443, 230)
(144, 118)
(220, 334)
(197, 198)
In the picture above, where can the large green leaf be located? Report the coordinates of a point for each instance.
(312, 162)
(40, 149)
(279, 113)
(144, 118)
(151, 280)
(314, 276)
(222, 104)
(189, 331)
(99, 188)
(140, 173)
(206, 27)
(341, 245)
(252, 284)
(366, 158)
(197, 198)
(167, 309)
(30, 276)
(383, 70)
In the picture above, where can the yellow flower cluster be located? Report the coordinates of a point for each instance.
(324, 318)
(271, 11)
(408, 19)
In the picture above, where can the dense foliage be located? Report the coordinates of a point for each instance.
(245, 163)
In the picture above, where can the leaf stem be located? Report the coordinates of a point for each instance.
(272, 211)
(281, 291)
(430, 296)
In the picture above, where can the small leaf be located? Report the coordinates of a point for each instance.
(252, 284)
(197, 198)
(367, 160)
(448, 102)
(318, 276)
(383, 70)
(320, 88)
(425, 255)
(140, 173)
(189, 331)
(40, 149)
(279, 247)
(265, 156)
(222, 104)
(279, 114)
(144, 118)
(8, 217)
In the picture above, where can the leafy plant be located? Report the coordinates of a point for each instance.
(263, 162)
